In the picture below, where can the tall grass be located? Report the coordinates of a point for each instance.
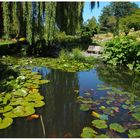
(76, 55)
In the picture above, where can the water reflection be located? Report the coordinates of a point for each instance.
(61, 115)
(62, 112)
(120, 78)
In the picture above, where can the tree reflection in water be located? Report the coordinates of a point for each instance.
(62, 114)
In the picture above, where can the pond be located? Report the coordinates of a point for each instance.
(63, 115)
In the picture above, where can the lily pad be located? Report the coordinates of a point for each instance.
(102, 136)
(100, 124)
(134, 133)
(39, 103)
(84, 107)
(6, 109)
(104, 117)
(136, 116)
(20, 111)
(6, 122)
(117, 127)
(124, 106)
(88, 133)
(102, 107)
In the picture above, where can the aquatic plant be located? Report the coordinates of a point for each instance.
(100, 124)
(23, 97)
(88, 132)
(117, 127)
(134, 133)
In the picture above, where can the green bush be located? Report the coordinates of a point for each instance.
(123, 51)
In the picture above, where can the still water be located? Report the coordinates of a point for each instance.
(61, 115)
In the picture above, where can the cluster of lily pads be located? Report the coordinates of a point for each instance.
(24, 97)
(54, 63)
(105, 112)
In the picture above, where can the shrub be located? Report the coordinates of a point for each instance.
(123, 51)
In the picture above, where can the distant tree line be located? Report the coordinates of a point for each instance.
(120, 16)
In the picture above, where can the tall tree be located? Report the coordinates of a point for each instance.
(1, 20)
(112, 14)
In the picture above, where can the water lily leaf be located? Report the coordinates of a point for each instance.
(6, 122)
(29, 110)
(95, 114)
(136, 116)
(16, 101)
(43, 82)
(108, 111)
(102, 136)
(84, 107)
(88, 133)
(20, 92)
(117, 127)
(100, 124)
(104, 117)
(20, 111)
(87, 94)
(39, 103)
(102, 107)
(6, 98)
(137, 109)
(124, 106)
(134, 133)
(34, 97)
(76, 91)
(6, 109)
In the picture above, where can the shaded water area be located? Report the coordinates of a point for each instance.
(61, 115)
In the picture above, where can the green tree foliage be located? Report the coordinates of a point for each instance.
(90, 28)
(131, 21)
(69, 16)
(115, 11)
(6, 19)
(104, 19)
(1, 19)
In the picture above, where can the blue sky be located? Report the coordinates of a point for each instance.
(87, 13)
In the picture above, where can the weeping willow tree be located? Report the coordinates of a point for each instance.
(50, 10)
(6, 19)
(69, 16)
(1, 20)
(36, 20)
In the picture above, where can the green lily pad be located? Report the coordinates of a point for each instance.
(125, 107)
(117, 127)
(108, 111)
(6, 98)
(43, 82)
(87, 94)
(134, 133)
(136, 116)
(20, 111)
(102, 107)
(88, 133)
(34, 97)
(6, 109)
(104, 117)
(20, 92)
(84, 107)
(102, 136)
(137, 109)
(39, 103)
(100, 124)
(16, 101)
(6, 122)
